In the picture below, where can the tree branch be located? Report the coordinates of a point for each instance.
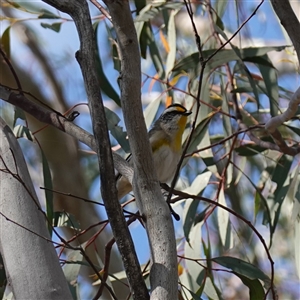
(86, 56)
(289, 21)
(158, 220)
(291, 24)
(58, 121)
(79, 12)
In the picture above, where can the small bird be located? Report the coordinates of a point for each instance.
(165, 140)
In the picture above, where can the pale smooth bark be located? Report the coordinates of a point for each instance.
(158, 219)
(30, 260)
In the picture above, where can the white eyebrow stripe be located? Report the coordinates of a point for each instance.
(178, 109)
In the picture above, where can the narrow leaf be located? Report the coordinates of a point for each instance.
(171, 42)
(223, 220)
(241, 267)
(24, 132)
(3, 279)
(297, 244)
(256, 290)
(54, 26)
(152, 10)
(62, 219)
(139, 4)
(222, 57)
(105, 85)
(151, 111)
(191, 206)
(116, 130)
(5, 42)
(282, 179)
(71, 270)
(269, 75)
(46, 14)
(154, 52)
(48, 191)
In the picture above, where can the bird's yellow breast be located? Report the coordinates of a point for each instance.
(160, 138)
(177, 140)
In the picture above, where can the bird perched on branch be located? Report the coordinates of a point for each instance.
(165, 140)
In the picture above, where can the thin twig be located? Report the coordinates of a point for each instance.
(102, 9)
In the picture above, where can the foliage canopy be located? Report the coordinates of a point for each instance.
(237, 193)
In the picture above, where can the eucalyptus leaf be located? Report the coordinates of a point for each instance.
(63, 219)
(54, 26)
(256, 291)
(221, 57)
(5, 41)
(241, 267)
(46, 14)
(116, 130)
(48, 190)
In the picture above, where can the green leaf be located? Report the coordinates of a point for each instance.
(192, 250)
(222, 57)
(105, 85)
(71, 270)
(201, 281)
(190, 211)
(281, 178)
(249, 150)
(152, 10)
(63, 219)
(210, 289)
(200, 216)
(24, 132)
(5, 42)
(3, 279)
(260, 60)
(220, 23)
(139, 4)
(220, 7)
(257, 203)
(117, 131)
(19, 114)
(154, 52)
(256, 289)
(172, 42)
(269, 75)
(46, 14)
(294, 129)
(297, 242)
(151, 111)
(190, 207)
(143, 40)
(48, 191)
(200, 132)
(114, 49)
(241, 267)
(259, 197)
(54, 26)
(224, 222)
(242, 68)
